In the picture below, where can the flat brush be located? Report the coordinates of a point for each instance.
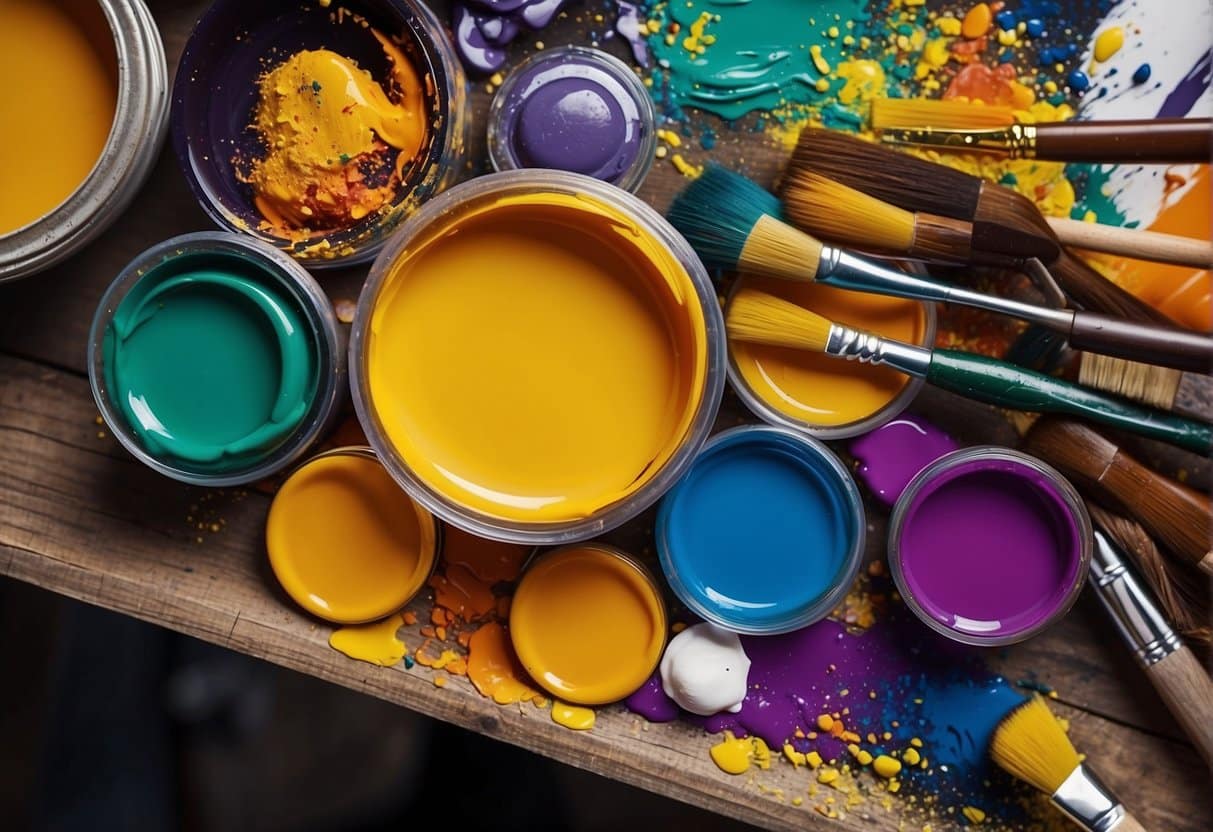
(840, 213)
(1175, 514)
(1170, 666)
(761, 318)
(965, 127)
(733, 223)
(1030, 744)
(1000, 216)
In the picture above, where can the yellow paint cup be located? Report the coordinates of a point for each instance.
(588, 623)
(818, 394)
(537, 356)
(345, 542)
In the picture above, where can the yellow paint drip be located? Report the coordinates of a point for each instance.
(819, 61)
(864, 81)
(698, 41)
(57, 108)
(373, 643)
(734, 756)
(571, 716)
(495, 670)
(328, 126)
(1108, 43)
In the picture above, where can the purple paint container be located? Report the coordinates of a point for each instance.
(216, 91)
(989, 546)
(578, 110)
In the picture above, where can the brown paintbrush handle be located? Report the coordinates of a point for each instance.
(1160, 140)
(1131, 242)
(1128, 824)
(1175, 514)
(1159, 345)
(1186, 688)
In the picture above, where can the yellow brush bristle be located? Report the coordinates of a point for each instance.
(1155, 386)
(919, 113)
(842, 214)
(1031, 745)
(765, 319)
(776, 249)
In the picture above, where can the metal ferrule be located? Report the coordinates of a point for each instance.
(1088, 802)
(1018, 140)
(1136, 615)
(846, 271)
(869, 348)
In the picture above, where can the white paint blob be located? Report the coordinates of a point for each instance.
(705, 670)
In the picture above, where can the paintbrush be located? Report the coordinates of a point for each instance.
(1171, 667)
(1175, 514)
(733, 223)
(1183, 592)
(965, 127)
(1001, 217)
(1030, 744)
(757, 317)
(1133, 242)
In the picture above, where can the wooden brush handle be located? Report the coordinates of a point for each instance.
(1159, 140)
(1186, 688)
(1128, 824)
(995, 382)
(1130, 242)
(1149, 344)
(1175, 514)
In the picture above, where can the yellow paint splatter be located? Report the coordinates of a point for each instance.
(1108, 43)
(819, 60)
(670, 137)
(571, 716)
(373, 643)
(691, 171)
(973, 814)
(734, 756)
(864, 81)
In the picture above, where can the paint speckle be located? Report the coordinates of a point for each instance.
(1141, 74)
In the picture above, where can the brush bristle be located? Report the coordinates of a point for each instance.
(1031, 745)
(914, 113)
(765, 319)
(716, 213)
(839, 213)
(888, 175)
(1155, 386)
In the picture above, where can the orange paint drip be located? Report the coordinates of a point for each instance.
(466, 596)
(1180, 292)
(489, 560)
(495, 670)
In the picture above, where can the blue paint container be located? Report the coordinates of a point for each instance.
(765, 532)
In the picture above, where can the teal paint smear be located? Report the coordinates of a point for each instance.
(760, 60)
(1092, 193)
(211, 367)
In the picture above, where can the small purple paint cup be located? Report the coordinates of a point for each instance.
(989, 546)
(575, 109)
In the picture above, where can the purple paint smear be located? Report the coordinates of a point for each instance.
(483, 28)
(1188, 91)
(631, 24)
(891, 455)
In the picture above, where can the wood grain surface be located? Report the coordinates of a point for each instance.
(80, 517)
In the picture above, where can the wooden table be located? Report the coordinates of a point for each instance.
(80, 517)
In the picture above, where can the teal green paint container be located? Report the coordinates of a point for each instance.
(216, 359)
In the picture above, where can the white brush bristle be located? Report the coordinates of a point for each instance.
(1030, 744)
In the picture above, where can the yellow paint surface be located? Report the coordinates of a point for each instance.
(345, 542)
(57, 109)
(327, 126)
(588, 624)
(561, 350)
(817, 389)
(571, 716)
(374, 643)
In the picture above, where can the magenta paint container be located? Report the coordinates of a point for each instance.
(989, 546)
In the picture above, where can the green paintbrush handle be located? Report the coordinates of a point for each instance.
(1005, 385)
